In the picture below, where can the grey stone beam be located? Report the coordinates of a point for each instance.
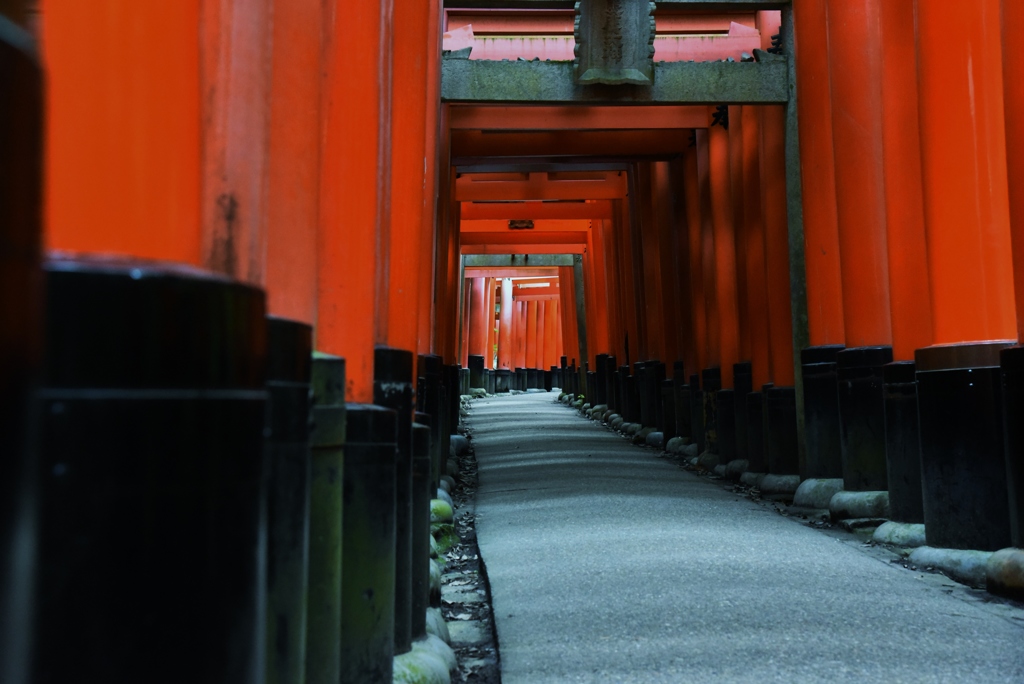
(711, 83)
(709, 5)
(516, 260)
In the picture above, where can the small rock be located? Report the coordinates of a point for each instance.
(451, 467)
(859, 505)
(633, 428)
(736, 467)
(907, 535)
(655, 439)
(689, 450)
(460, 444)
(437, 626)
(966, 567)
(817, 493)
(720, 470)
(450, 481)
(707, 460)
(751, 479)
(675, 445)
(617, 422)
(779, 485)
(441, 511)
(478, 392)
(1004, 573)
(420, 666)
(445, 496)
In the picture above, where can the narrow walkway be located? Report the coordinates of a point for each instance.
(607, 564)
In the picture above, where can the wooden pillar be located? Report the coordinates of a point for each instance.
(665, 223)
(353, 190)
(541, 332)
(627, 296)
(293, 191)
(467, 315)
(477, 321)
(489, 322)
(433, 148)
(131, 186)
(738, 210)
(726, 298)
(817, 165)
(567, 305)
(904, 206)
(1013, 71)
(696, 358)
(776, 235)
(713, 331)
(965, 188)
(531, 334)
(651, 282)
(550, 333)
(753, 246)
(505, 327)
(521, 335)
(855, 61)
(236, 68)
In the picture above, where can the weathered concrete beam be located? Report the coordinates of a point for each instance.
(763, 82)
(709, 5)
(516, 260)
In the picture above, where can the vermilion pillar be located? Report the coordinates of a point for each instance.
(550, 333)
(904, 205)
(476, 323)
(753, 246)
(520, 334)
(429, 243)
(713, 348)
(541, 332)
(1013, 41)
(738, 210)
(131, 185)
(665, 218)
(726, 299)
(467, 296)
(855, 61)
(353, 188)
(531, 334)
(489, 322)
(236, 69)
(293, 190)
(967, 223)
(817, 167)
(505, 325)
(696, 356)
(651, 282)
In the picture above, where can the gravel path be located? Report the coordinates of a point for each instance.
(607, 564)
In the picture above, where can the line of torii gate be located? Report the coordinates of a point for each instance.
(825, 216)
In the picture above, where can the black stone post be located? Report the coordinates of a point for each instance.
(725, 425)
(642, 396)
(963, 462)
(711, 383)
(697, 414)
(902, 442)
(21, 344)
(668, 401)
(655, 376)
(463, 381)
(152, 554)
(501, 381)
(780, 431)
(429, 368)
(323, 618)
(743, 384)
(1011, 363)
(368, 563)
(476, 372)
(601, 385)
(393, 389)
(862, 417)
(289, 360)
(592, 384)
(821, 408)
(632, 401)
(756, 462)
(548, 380)
(454, 401)
(610, 384)
(422, 493)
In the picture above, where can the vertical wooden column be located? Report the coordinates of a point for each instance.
(738, 209)
(1013, 40)
(665, 220)
(696, 357)
(541, 333)
(505, 325)
(651, 282)
(355, 171)
(477, 321)
(236, 79)
(817, 165)
(466, 316)
(433, 148)
(489, 321)
(855, 61)
(293, 189)
(713, 329)
(726, 298)
(132, 185)
(753, 246)
(967, 222)
(627, 297)
(596, 266)
(531, 334)
(550, 333)
(567, 306)
(521, 335)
